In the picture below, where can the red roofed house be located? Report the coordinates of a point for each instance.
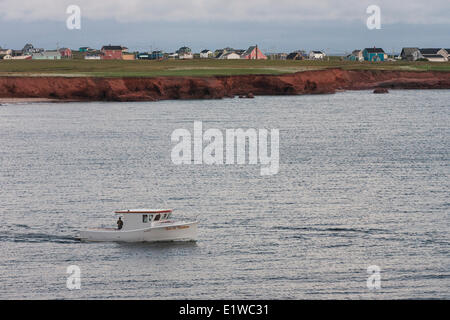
(253, 53)
(66, 53)
(112, 52)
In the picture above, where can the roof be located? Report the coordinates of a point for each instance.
(249, 50)
(144, 211)
(409, 51)
(429, 50)
(205, 51)
(293, 55)
(112, 48)
(374, 50)
(434, 56)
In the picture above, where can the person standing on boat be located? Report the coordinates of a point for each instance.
(119, 223)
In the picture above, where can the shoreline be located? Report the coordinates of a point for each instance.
(327, 81)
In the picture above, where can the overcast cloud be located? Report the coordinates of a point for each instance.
(411, 12)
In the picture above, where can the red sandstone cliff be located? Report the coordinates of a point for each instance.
(163, 88)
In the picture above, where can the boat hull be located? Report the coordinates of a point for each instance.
(172, 232)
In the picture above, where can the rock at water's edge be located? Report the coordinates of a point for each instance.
(381, 90)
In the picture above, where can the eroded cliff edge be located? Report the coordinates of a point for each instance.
(165, 88)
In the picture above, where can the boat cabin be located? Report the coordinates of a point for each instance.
(143, 218)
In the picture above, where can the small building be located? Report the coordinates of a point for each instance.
(6, 51)
(143, 56)
(435, 58)
(112, 52)
(84, 49)
(128, 56)
(172, 55)
(66, 53)
(411, 54)
(230, 56)
(374, 54)
(47, 55)
(435, 54)
(205, 54)
(277, 56)
(253, 53)
(157, 55)
(316, 55)
(185, 53)
(296, 55)
(93, 56)
(356, 55)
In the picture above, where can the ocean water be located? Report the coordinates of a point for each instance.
(363, 181)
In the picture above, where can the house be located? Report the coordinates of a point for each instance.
(316, 55)
(435, 54)
(435, 58)
(411, 54)
(230, 56)
(6, 51)
(172, 55)
(277, 56)
(357, 55)
(47, 55)
(66, 53)
(84, 49)
(296, 55)
(112, 52)
(205, 54)
(28, 49)
(93, 56)
(447, 50)
(128, 56)
(374, 54)
(185, 53)
(253, 53)
(157, 55)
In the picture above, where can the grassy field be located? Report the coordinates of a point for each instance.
(200, 67)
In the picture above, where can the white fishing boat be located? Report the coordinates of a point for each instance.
(144, 225)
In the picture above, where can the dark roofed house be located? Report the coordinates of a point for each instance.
(111, 52)
(206, 54)
(296, 55)
(373, 54)
(434, 54)
(411, 54)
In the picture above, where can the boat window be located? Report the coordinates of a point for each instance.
(144, 218)
(150, 217)
(164, 216)
(157, 217)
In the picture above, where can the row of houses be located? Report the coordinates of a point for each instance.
(408, 54)
(430, 54)
(119, 52)
(368, 54)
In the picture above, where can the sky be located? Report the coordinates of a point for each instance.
(337, 26)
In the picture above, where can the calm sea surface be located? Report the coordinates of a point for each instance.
(364, 180)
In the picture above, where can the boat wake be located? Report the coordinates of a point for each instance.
(36, 238)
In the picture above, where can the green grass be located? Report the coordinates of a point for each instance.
(203, 67)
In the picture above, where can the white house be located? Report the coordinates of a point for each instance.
(204, 54)
(92, 57)
(434, 54)
(230, 56)
(316, 55)
(185, 56)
